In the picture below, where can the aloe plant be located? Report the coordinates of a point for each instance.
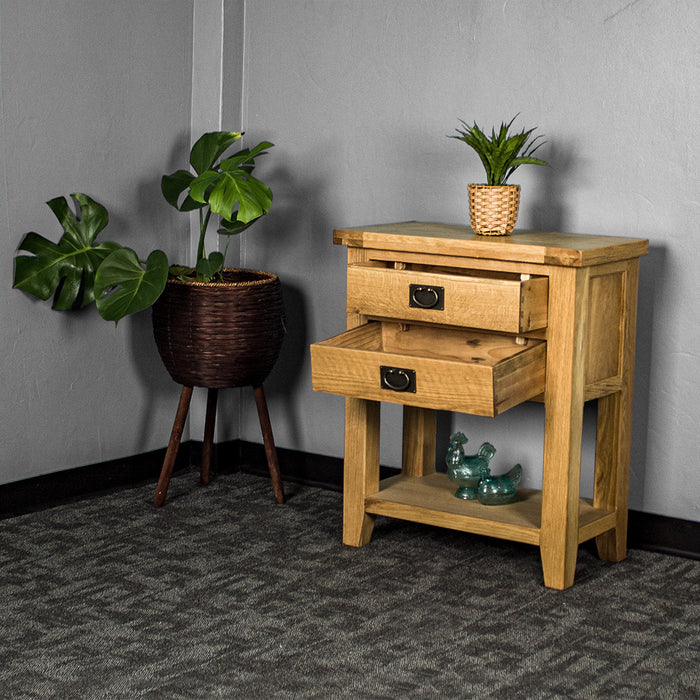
(502, 153)
(78, 271)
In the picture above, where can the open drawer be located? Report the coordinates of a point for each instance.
(491, 301)
(455, 370)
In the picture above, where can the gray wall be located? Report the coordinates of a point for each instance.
(95, 99)
(358, 96)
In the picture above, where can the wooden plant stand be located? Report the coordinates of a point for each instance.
(440, 318)
(204, 469)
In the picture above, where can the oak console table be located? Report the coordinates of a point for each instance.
(440, 318)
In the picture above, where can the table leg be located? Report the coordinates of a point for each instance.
(612, 473)
(564, 392)
(419, 427)
(615, 432)
(361, 471)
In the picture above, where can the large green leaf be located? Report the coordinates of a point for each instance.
(174, 185)
(246, 157)
(67, 269)
(229, 191)
(209, 147)
(123, 286)
(230, 228)
(239, 188)
(201, 186)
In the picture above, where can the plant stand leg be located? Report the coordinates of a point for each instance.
(269, 440)
(173, 446)
(204, 467)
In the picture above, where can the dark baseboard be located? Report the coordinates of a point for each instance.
(646, 531)
(659, 533)
(39, 492)
(296, 466)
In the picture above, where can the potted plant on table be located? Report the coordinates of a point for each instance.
(493, 206)
(214, 327)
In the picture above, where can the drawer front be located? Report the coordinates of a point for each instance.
(500, 304)
(436, 368)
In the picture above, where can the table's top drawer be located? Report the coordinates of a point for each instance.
(472, 299)
(432, 367)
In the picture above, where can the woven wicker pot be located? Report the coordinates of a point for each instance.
(220, 335)
(493, 209)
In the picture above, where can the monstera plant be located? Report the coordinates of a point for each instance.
(214, 327)
(78, 270)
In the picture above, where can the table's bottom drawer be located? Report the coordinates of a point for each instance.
(455, 370)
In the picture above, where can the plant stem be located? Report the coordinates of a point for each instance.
(203, 224)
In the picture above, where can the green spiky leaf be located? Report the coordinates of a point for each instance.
(501, 153)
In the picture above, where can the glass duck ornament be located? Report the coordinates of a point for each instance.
(499, 490)
(467, 470)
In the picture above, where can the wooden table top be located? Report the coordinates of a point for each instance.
(550, 248)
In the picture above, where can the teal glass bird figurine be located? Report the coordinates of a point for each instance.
(467, 470)
(499, 490)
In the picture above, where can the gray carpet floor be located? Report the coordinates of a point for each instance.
(224, 594)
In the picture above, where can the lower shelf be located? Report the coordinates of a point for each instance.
(430, 500)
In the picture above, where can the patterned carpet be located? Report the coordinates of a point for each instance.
(223, 594)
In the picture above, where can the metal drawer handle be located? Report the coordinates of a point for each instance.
(426, 297)
(398, 379)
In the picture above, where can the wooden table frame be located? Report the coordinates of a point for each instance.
(589, 336)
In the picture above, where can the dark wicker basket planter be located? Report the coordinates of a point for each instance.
(220, 335)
